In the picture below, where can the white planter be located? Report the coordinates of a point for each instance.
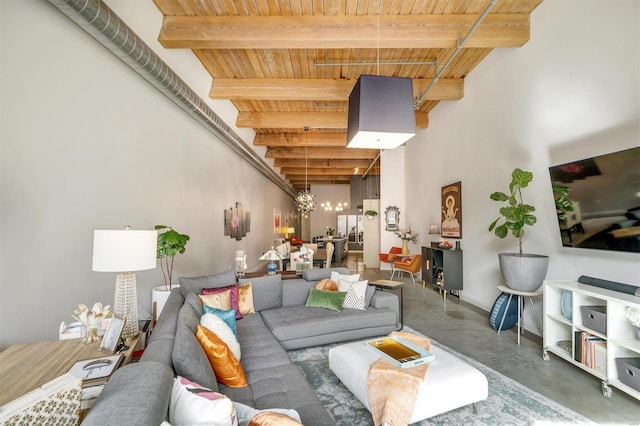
(159, 296)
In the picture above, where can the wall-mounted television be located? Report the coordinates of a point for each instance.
(605, 191)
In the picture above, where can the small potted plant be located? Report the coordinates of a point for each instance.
(371, 214)
(330, 232)
(521, 271)
(170, 243)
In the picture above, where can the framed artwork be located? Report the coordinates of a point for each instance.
(111, 337)
(452, 211)
(236, 222)
(277, 221)
(392, 218)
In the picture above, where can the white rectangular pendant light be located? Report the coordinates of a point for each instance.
(381, 112)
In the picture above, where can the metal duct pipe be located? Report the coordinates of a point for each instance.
(104, 25)
(459, 47)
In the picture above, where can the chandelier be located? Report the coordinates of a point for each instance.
(305, 201)
(329, 207)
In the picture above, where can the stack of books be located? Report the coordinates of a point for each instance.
(94, 374)
(591, 351)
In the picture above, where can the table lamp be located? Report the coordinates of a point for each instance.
(271, 255)
(289, 230)
(125, 251)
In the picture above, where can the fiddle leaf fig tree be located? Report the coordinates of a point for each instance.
(170, 243)
(515, 215)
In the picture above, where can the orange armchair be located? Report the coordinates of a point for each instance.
(410, 264)
(389, 257)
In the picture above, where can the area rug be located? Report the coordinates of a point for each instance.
(509, 402)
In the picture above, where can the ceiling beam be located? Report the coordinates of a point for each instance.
(342, 32)
(314, 120)
(301, 139)
(321, 179)
(312, 171)
(322, 153)
(316, 162)
(299, 89)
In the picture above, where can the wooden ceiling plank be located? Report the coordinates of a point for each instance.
(323, 162)
(318, 89)
(315, 120)
(321, 153)
(313, 32)
(301, 139)
(289, 171)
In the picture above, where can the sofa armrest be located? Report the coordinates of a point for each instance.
(387, 300)
(136, 394)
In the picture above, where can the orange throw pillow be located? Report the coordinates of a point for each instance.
(225, 365)
(245, 299)
(327, 284)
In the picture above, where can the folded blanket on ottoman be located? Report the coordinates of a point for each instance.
(393, 390)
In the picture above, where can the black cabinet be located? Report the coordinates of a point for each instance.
(443, 268)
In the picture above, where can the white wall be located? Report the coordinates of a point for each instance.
(320, 218)
(571, 92)
(88, 144)
(392, 193)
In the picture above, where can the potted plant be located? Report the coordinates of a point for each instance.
(330, 232)
(520, 271)
(371, 214)
(170, 243)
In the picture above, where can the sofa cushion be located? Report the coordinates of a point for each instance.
(223, 331)
(356, 292)
(188, 357)
(227, 315)
(196, 284)
(326, 299)
(226, 366)
(260, 349)
(267, 291)
(233, 296)
(193, 404)
(245, 299)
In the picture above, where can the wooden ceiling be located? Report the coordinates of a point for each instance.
(291, 64)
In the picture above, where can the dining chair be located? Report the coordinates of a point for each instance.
(390, 257)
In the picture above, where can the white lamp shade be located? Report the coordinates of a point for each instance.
(381, 113)
(291, 230)
(271, 255)
(124, 250)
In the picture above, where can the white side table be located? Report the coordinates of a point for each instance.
(519, 294)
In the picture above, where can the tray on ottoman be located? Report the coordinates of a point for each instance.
(450, 382)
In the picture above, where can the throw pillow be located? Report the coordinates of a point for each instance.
(326, 299)
(228, 316)
(336, 276)
(356, 292)
(245, 299)
(270, 418)
(223, 331)
(327, 284)
(371, 291)
(233, 296)
(220, 301)
(193, 404)
(226, 366)
(192, 299)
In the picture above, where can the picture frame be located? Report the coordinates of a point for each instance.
(277, 221)
(392, 218)
(111, 337)
(451, 225)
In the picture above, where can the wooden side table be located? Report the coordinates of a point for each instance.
(392, 285)
(25, 367)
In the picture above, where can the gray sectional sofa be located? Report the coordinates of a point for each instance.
(139, 393)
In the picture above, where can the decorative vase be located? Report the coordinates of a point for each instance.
(405, 247)
(91, 334)
(567, 304)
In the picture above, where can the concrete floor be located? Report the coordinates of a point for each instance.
(465, 328)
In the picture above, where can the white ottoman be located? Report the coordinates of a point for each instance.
(450, 382)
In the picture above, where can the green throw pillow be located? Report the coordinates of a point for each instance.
(326, 299)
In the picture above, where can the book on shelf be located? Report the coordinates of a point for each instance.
(586, 345)
(55, 402)
(400, 352)
(96, 371)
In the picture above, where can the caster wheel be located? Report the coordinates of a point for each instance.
(607, 392)
(545, 355)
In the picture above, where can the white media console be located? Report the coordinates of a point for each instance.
(619, 339)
